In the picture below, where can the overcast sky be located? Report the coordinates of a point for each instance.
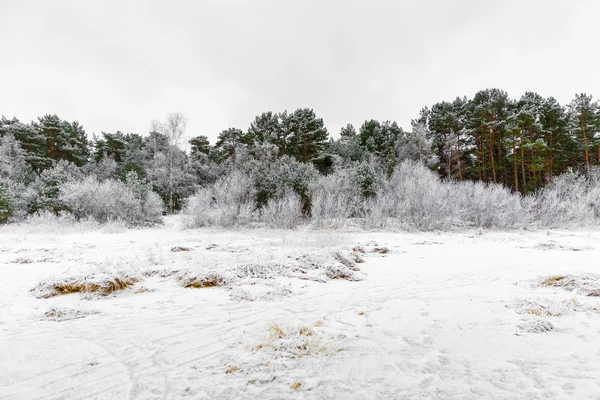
(117, 65)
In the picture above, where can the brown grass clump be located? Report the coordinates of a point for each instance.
(64, 314)
(533, 311)
(341, 272)
(231, 369)
(276, 332)
(177, 249)
(342, 259)
(585, 284)
(553, 281)
(296, 385)
(206, 281)
(381, 250)
(358, 249)
(103, 287)
(293, 342)
(305, 331)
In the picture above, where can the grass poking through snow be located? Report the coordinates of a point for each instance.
(95, 284)
(588, 284)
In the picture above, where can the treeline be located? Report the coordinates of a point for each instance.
(522, 144)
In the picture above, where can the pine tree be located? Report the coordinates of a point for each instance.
(228, 141)
(307, 135)
(348, 146)
(75, 146)
(266, 128)
(199, 145)
(489, 110)
(32, 142)
(63, 140)
(584, 122)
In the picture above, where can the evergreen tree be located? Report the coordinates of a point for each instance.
(199, 145)
(266, 128)
(63, 140)
(32, 142)
(228, 141)
(75, 146)
(489, 110)
(584, 123)
(307, 135)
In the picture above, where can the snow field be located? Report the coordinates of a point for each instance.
(453, 315)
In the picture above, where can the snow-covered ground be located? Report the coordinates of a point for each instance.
(441, 316)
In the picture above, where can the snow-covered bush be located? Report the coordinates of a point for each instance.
(415, 197)
(109, 200)
(229, 202)
(334, 199)
(5, 204)
(421, 199)
(491, 205)
(272, 179)
(570, 200)
(42, 193)
(284, 212)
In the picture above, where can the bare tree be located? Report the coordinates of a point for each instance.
(173, 129)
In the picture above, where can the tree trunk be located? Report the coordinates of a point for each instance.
(550, 160)
(478, 155)
(523, 177)
(460, 178)
(515, 166)
(448, 160)
(492, 154)
(585, 142)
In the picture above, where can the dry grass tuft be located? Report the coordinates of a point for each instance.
(553, 280)
(342, 259)
(275, 332)
(177, 249)
(103, 286)
(533, 311)
(21, 260)
(204, 281)
(293, 342)
(296, 385)
(341, 272)
(319, 323)
(65, 314)
(231, 369)
(552, 308)
(381, 250)
(587, 285)
(305, 331)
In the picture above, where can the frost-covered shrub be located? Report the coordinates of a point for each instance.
(284, 212)
(150, 201)
(421, 199)
(5, 204)
(43, 192)
(491, 205)
(108, 200)
(229, 202)
(415, 197)
(272, 179)
(570, 200)
(334, 199)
